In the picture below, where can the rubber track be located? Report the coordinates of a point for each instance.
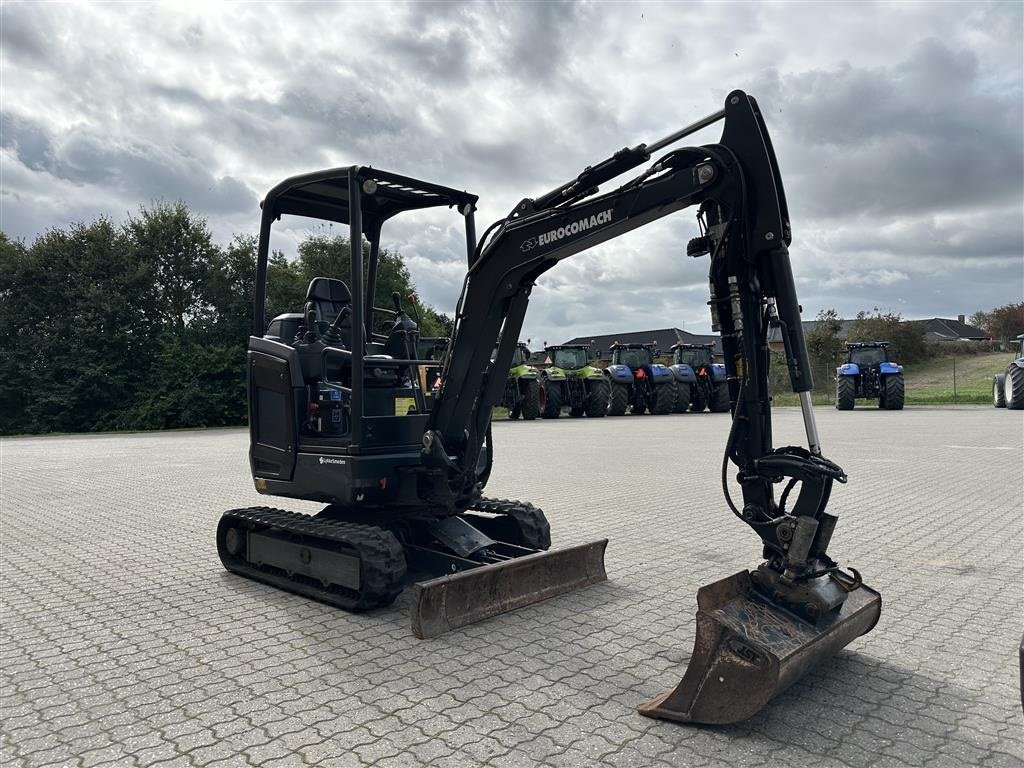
(382, 561)
(531, 520)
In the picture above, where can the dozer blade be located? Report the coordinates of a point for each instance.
(748, 650)
(479, 593)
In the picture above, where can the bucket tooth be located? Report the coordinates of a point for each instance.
(445, 603)
(748, 650)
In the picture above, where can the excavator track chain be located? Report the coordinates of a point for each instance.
(352, 566)
(515, 522)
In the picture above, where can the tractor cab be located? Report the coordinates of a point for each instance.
(868, 354)
(520, 356)
(569, 357)
(635, 356)
(693, 355)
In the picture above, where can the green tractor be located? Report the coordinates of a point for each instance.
(522, 395)
(572, 382)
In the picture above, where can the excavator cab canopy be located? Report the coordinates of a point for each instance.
(326, 195)
(363, 198)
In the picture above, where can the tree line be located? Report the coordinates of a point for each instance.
(144, 325)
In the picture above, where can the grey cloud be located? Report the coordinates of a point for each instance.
(924, 133)
(22, 35)
(900, 147)
(536, 36)
(28, 139)
(434, 52)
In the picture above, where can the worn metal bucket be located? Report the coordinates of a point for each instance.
(469, 596)
(748, 650)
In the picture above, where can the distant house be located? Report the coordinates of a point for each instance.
(941, 329)
(663, 339)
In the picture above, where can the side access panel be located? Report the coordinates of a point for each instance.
(274, 382)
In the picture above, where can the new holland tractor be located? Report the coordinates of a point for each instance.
(331, 420)
(700, 382)
(571, 381)
(637, 382)
(522, 396)
(1008, 387)
(869, 373)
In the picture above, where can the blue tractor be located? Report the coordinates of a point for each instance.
(1008, 392)
(869, 373)
(637, 382)
(700, 382)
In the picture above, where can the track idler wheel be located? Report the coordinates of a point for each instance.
(748, 650)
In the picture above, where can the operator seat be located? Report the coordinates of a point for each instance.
(329, 296)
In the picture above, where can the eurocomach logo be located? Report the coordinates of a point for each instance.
(588, 222)
(575, 228)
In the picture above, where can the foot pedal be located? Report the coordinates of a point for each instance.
(748, 650)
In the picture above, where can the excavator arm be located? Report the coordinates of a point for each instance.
(758, 631)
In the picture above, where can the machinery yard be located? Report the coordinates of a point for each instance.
(125, 642)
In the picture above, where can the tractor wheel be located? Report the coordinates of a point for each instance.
(998, 391)
(721, 402)
(664, 398)
(531, 400)
(893, 390)
(618, 400)
(845, 390)
(1013, 388)
(552, 403)
(596, 403)
(682, 397)
(697, 401)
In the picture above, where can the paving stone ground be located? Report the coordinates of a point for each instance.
(124, 642)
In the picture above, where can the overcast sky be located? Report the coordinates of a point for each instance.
(898, 129)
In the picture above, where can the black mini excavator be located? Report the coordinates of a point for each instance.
(337, 415)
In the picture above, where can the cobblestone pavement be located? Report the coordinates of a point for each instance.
(124, 642)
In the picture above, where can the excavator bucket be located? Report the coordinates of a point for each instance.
(478, 593)
(748, 650)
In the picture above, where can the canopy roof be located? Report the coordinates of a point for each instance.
(325, 195)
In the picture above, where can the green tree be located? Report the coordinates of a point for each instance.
(824, 346)
(1003, 323)
(906, 338)
(145, 326)
(980, 319)
(79, 311)
(178, 248)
